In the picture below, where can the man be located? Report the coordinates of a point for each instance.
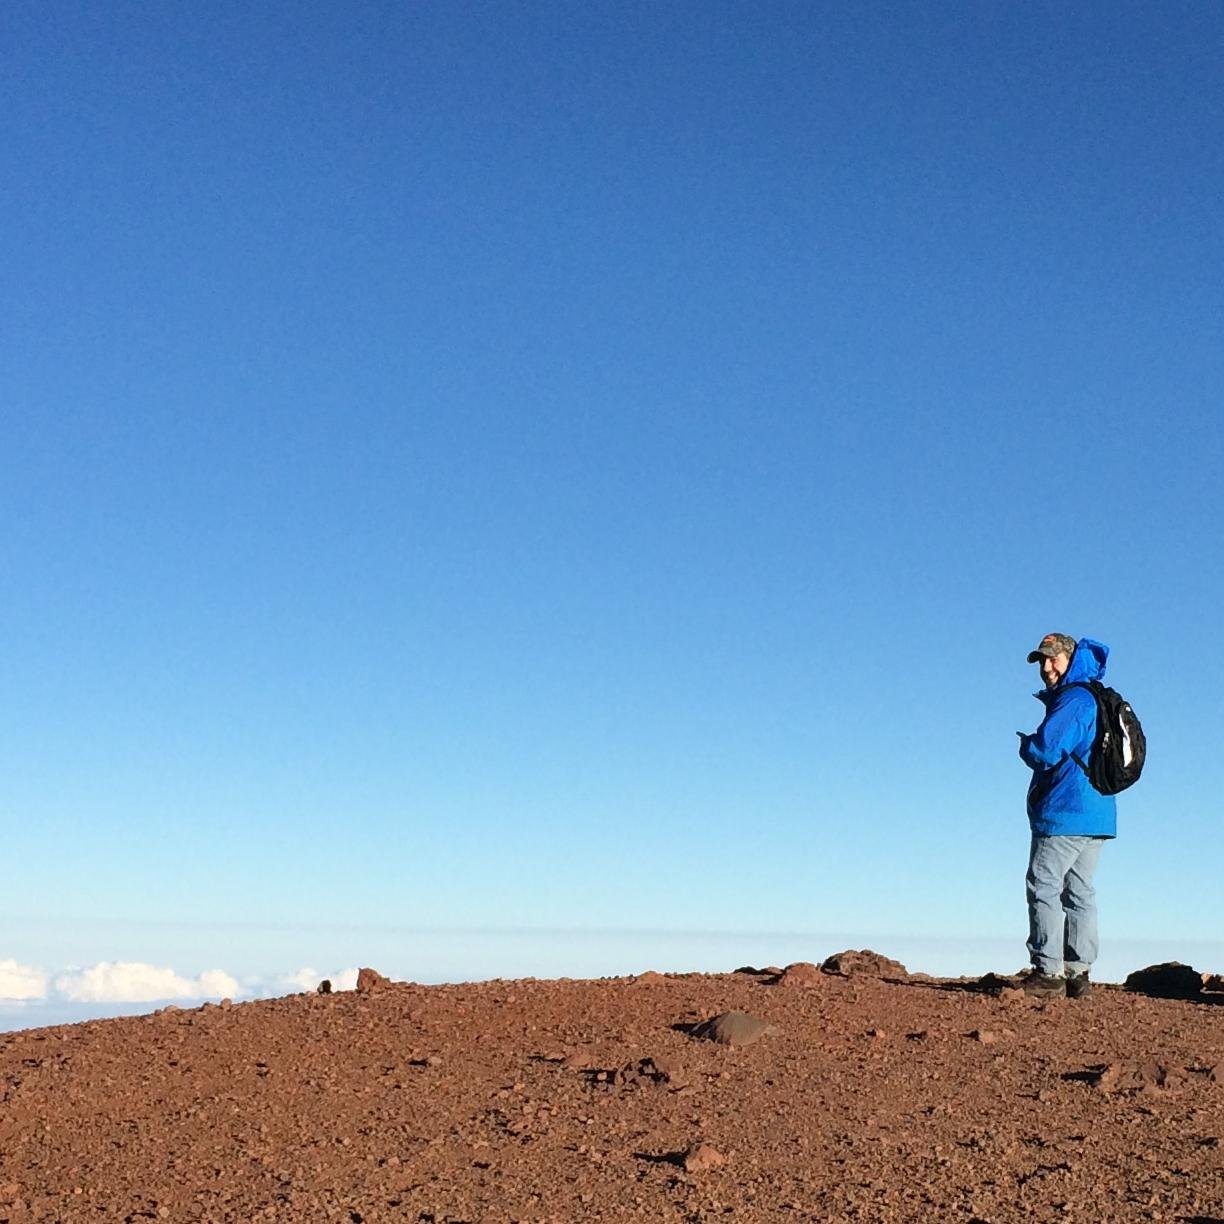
(1069, 818)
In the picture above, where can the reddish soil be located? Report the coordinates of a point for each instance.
(861, 1099)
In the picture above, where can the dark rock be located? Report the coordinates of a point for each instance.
(1170, 980)
(732, 1028)
(993, 983)
(324, 987)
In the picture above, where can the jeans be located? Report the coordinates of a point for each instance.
(1062, 903)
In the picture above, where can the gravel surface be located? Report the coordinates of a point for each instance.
(857, 1099)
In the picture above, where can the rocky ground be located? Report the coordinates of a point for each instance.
(844, 1097)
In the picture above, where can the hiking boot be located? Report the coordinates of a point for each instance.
(1044, 985)
(1078, 986)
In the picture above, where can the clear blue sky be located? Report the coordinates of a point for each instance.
(499, 466)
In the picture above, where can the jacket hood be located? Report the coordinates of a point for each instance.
(1088, 662)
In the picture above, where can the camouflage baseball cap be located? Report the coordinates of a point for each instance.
(1052, 644)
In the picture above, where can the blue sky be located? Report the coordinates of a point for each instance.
(478, 473)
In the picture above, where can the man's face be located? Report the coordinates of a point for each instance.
(1054, 668)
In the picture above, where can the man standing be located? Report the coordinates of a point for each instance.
(1069, 818)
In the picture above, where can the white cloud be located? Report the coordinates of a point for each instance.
(133, 982)
(216, 983)
(137, 982)
(22, 981)
(307, 979)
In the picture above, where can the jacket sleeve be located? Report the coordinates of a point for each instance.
(1068, 728)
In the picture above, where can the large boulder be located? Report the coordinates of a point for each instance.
(1169, 980)
(735, 1028)
(865, 964)
(801, 973)
(370, 980)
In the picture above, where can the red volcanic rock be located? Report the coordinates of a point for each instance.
(702, 1156)
(801, 973)
(650, 1071)
(483, 1102)
(369, 980)
(1130, 1076)
(864, 964)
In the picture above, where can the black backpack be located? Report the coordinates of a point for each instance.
(1120, 747)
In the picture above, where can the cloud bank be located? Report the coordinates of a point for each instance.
(308, 979)
(133, 982)
(21, 982)
(137, 982)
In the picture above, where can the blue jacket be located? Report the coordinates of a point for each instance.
(1061, 800)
